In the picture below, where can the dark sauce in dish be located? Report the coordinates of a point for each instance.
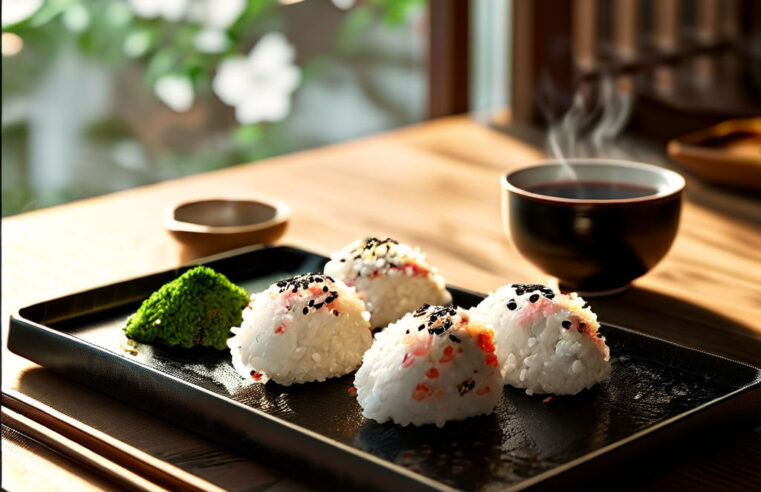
(592, 190)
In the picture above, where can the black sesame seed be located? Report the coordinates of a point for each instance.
(295, 289)
(582, 325)
(407, 332)
(585, 306)
(580, 330)
(512, 306)
(318, 306)
(343, 260)
(335, 313)
(305, 310)
(252, 372)
(566, 324)
(329, 299)
(325, 289)
(420, 328)
(454, 338)
(534, 298)
(311, 302)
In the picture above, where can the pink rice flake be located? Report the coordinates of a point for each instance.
(543, 307)
(407, 361)
(412, 269)
(483, 391)
(280, 329)
(548, 399)
(436, 395)
(422, 345)
(421, 391)
(447, 356)
(316, 290)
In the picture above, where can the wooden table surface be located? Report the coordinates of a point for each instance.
(434, 185)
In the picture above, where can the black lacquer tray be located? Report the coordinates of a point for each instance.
(657, 394)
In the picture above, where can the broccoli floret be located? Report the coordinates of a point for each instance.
(196, 308)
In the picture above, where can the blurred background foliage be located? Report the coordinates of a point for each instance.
(103, 95)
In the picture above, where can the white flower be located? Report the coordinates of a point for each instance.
(219, 14)
(15, 11)
(211, 41)
(344, 4)
(171, 10)
(175, 91)
(215, 16)
(260, 86)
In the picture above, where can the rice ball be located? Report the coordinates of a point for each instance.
(433, 365)
(392, 278)
(547, 342)
(307, 328)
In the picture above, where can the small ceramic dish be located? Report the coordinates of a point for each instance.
(212, 225)
(727, 154)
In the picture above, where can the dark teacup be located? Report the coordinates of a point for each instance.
(595, 224)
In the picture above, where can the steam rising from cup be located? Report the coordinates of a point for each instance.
(597, 114)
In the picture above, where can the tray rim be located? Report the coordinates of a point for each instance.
(19, 322)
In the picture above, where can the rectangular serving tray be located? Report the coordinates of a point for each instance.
(657, 393)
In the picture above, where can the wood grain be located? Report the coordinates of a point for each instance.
(434, 185)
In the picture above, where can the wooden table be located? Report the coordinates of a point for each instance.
(434, 185)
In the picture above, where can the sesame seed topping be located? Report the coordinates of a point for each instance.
(566, 324)
(539, 289)
(303, 282)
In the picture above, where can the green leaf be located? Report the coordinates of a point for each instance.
(162, 63)
(357, 21)
(49, 10)
(247, 134)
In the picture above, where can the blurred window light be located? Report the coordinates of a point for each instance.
(12, 44)
(76, 18)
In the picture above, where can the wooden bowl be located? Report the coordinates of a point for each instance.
(727, 154)
(209, 226)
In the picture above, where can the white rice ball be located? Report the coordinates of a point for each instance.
(431, 366)
(392, 278)
(547, 342)
(306, 328)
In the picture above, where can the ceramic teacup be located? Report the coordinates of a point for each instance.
(595, 224)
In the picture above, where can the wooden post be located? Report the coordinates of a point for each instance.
(448, 60)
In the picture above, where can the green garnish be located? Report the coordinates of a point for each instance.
(197, 308)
